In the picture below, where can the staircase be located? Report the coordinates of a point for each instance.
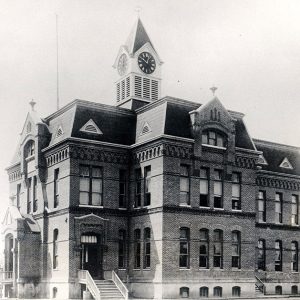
(108, 290)
(259, 287)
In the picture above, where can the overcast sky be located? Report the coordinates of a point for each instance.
(249, 49)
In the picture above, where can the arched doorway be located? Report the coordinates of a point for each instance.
(92, 254)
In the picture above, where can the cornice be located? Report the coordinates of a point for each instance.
(278, 183)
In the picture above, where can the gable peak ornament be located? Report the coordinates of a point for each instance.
(32, 103)
(213, 89)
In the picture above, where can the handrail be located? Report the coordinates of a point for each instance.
(85, 277)
(262, 285)
(119, 284)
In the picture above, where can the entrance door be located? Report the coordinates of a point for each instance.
(92, 258)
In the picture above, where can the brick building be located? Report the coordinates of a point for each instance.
(153, 197)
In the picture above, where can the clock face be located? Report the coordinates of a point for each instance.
(146, 62)
(122, 64)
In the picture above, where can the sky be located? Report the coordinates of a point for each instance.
(250, 50)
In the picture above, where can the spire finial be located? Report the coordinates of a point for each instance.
(32, 103)
(213, 89)
(138, 10)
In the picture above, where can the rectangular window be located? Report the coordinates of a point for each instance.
(295, 210)
(29, 195)
(138, 188)
(261, 255)
(261, 206)
(203, 250)
(147, 200)
(184, 245)
(184, 185)
(91, 185)
(137, 249)
(35, 198)
(218, 189)
(204, 195)
(19, 196)
(236, 191)
(55, 249)
(294, 262)
(278, 256)
(278, 208)
(56, 188)
(121, 260)
(122, 188)
(236, 249)
(147, 248)
(218, 249)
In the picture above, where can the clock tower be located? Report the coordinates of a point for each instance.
(138, 69)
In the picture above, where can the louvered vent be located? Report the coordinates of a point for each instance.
(154, 89)
(91, 128)
(146, 129)
(118, 92)
(127, 86)
(138, 86)
(59, 132)
(146, 88)
(123, 89)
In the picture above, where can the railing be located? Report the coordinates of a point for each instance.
(120, 285)
(6, 276)
(85, 277)
(260, 285)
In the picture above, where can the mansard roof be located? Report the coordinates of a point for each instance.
(275, 153)
(117, 124)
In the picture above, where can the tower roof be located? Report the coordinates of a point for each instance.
(137, 37)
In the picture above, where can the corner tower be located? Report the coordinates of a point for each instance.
(139, 70)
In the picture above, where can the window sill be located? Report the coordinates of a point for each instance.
(185, 205)
(204, 269)
(122, 208)
(217, 208)
(122, 269)
(215, 147)
(136, 269)
(147, 269)
(90, 206)
(236, 210)
(204, 207)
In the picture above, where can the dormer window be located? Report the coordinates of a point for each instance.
(29, 149)
(213, 138)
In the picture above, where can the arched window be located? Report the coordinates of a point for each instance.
(278, 255)
(204, 292)
(55, 250)
(203, 250)
(121, 242)
(147, 248)
(218, 248)
(294, 290)
(278, 290)
(184, 255)
(137, 248)
(184, 292)
(218, 291)
(54, 292)
(29, 149)
(236, 249)
(261, 255)
(294, 262)
(236, 291)
(214, 138)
